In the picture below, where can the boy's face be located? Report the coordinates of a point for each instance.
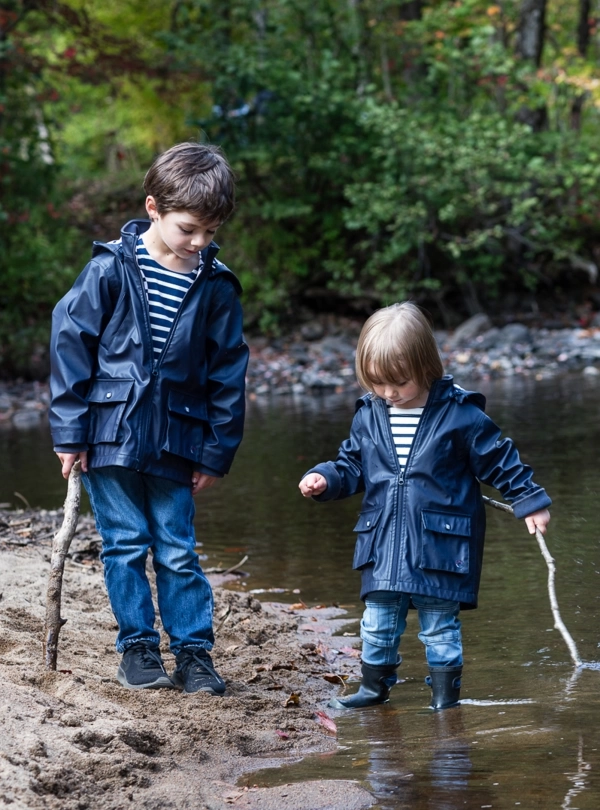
(181, 232)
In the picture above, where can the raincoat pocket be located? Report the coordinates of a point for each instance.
(445, 541)
(186, 423)
(363, 551)
(107, 400)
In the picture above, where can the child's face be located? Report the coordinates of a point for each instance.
(181, 232)
(402, 394)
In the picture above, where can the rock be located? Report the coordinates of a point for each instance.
(489, 339)
(470, 329)
(515, 333)
(26, 419)
(321, 379)
(590, 371)
(312, 331)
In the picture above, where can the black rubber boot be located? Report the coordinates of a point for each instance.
(445, 686)
(374, 688)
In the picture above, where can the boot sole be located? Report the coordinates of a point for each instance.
(334, 703)
(160, 683)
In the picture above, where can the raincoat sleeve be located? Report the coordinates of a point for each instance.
(227, 355)
(344, 476)
(78, 321)
(495, 461)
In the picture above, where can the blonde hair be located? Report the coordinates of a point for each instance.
(397, 343)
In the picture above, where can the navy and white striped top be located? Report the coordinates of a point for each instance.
(165, 290)
(404, 423)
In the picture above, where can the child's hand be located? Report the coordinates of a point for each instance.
(538, 520)
(202, 481)
(68, 459)
(312, 484)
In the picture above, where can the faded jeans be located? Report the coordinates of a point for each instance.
(137, 513)
(384, 622)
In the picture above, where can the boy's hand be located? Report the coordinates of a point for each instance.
(538, 520)
(312, 484)
(68, 459)
(202, 481)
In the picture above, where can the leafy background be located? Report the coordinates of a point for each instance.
(446, 151)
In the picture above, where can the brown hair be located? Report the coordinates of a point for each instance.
(397, 343)
(193, 177)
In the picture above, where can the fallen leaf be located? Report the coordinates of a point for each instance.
(293, 700)
(350, 651)
(298, 606)
(315, 628)
(333, 677)
(283, 734)
(326, 721)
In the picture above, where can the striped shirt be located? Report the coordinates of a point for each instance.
(404, 423)
(165, 291)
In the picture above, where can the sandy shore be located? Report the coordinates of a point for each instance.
(75, 738)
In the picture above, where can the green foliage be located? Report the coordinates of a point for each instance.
(380, 152)
(484, 197)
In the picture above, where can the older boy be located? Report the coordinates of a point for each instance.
(148, 370)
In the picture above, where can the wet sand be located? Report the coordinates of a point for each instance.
(75, 738)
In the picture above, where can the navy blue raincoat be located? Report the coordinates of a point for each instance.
(168, 416)
(421, 530)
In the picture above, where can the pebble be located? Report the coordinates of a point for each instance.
(319, 359)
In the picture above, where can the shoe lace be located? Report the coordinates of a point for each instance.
(199, 659)
(149, 658)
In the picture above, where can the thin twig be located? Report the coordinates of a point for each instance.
(23, 498)
(558, 622)
(226, 570)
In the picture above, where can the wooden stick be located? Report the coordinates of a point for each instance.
(558, 622)
(60, 547)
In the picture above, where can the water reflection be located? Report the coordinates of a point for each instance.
(527, 733)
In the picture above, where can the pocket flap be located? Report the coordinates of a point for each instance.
(446, 523)
(187, 405)
(368, 520)
(108, 391)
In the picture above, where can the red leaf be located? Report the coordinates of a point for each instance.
(326, 721)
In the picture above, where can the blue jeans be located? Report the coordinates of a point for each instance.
(384, 621)
(136, 513)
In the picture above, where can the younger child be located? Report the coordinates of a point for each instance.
(419, 446)
(148, 370)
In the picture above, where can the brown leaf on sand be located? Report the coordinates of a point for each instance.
(292, 700)
(298, 606)
(326, 721)
(333, 677)
(350, 651)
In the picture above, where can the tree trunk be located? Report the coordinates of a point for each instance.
(532, 26)
(410, 11)
(583, 28)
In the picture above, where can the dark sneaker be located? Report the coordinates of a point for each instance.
(195, 672)
(142, 668)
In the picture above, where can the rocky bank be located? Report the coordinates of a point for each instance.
(319, 357)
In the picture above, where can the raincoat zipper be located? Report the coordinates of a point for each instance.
(401, 491)
(156, 362)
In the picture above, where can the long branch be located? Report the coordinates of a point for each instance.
(60, 547)
(558, 622)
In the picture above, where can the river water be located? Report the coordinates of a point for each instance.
(528, 732)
